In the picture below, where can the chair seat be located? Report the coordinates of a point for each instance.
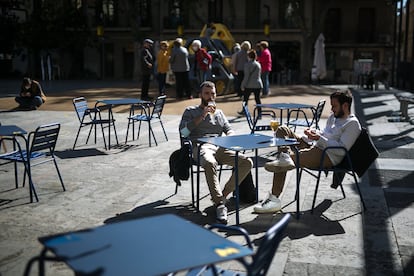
(17, 156)
(101, 121)
(140, 117)
(299, 122)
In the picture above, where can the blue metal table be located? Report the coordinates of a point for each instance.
(155, 245)
(11, 130)
(109, 103)
(245, 142)
(284, 106)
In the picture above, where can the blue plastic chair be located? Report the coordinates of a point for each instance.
(260, 263)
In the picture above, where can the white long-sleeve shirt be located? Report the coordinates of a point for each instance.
(339, 132)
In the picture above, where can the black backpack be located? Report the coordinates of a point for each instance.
(180, 164)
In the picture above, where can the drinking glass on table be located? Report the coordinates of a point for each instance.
(274, 124)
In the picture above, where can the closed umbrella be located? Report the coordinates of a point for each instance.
(319, 60)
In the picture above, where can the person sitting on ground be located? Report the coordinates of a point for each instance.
(205, 120)
(31, 94)
(342, 129)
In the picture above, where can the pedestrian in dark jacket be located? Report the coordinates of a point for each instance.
(180, 66)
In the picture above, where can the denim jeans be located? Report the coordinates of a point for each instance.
(29, 102)
(265, 80)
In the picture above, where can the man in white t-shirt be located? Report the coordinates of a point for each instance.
(342, 129)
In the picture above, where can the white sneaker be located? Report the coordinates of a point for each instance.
(221, 214)
(283, 162)
(271, 205)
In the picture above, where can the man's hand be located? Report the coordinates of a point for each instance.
(312, 134)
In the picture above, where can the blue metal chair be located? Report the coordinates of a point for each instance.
(149, 116)
(253, 121)
(39, 148)
(356, 162)
(91, 117)
(263, 257)
(305, 121)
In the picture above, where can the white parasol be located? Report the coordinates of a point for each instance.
(319, 61)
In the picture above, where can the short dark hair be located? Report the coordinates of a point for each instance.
(252, 54)
(343, 96)
(26, 81)
(207, 84)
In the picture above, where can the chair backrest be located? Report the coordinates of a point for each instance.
(362, 153)
(268, 247)
(44, 138)
(81, 105)
(159, 106)
(248, 116)
(318, 113)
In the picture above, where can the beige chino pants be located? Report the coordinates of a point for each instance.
(211, 157)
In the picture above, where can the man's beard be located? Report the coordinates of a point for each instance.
(204, 102)
(339, 114)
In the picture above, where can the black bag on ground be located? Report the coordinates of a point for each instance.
(247, 190)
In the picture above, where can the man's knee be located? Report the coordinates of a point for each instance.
(209, 165)
(38, 101)
(283, 131)
(246, 163)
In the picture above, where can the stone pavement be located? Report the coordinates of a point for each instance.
(131, 181)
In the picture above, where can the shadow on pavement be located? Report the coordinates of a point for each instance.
(67, 154)
(160, 207)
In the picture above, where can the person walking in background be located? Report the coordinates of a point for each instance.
(236, 49)
(202, 62)
(252, 83)
(31, 94)
(163, 59)
(147, 67)
(181, 68)
(265, 60)
(240, 60)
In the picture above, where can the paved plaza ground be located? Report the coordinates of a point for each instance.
(131, 181)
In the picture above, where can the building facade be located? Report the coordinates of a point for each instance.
(355, 31)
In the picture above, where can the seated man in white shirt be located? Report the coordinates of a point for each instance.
(206, 120)
(342, 129)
